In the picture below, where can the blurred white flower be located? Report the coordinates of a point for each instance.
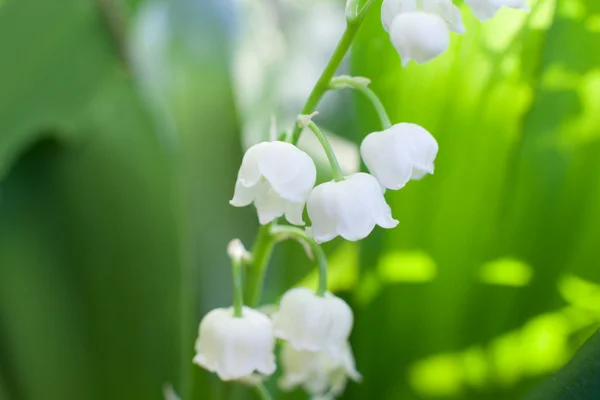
(486, 9)
(311, 322)
(396, 155)
(419, 36)
(277, 177)
(235, 347)
(237, 251)
(350, 208)
(444, 9)
(321, 374)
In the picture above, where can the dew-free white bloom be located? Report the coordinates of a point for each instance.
(350, 208)
(444, 9)
(277, 177)
(311, 322)
(321, 374)
(419, 36)
(486, 9)
(234, 347)
(396, 155)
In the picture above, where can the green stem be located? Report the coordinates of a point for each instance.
(238, 288)
(322, 85)
(333, 162)
(345, 81)
(256, 268)
(262, 391)
(283, 232)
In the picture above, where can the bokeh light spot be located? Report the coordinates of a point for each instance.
(506, 272)
(399, 266)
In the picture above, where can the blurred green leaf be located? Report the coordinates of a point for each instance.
(579, 379)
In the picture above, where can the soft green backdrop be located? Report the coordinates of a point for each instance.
(114, 215)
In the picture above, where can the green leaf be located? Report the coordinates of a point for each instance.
(578, 380)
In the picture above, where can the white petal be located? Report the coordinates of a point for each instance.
(293, 213)
(374, 200)
(235, 347)
(278, 178)
(389, 162)
(289, 170)
(419, 36)
(249, 174)
(243, 195)
(447, 11)
(359, 206)
(421, 145)
(321, 374)
(321, 208)
(391, 8)
(312, 323)
(403, 152)
(350, 208)
(486, 9)
(268, 203)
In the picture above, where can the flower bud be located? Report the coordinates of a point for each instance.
(235, 347)
(277, 177)
(313, 323)
(486, 9)
(350, 208)
(419, 36)
(396, 155)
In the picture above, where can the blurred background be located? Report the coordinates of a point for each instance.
(123, 123)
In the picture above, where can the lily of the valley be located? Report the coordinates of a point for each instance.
(398, 154)
(277, 177)
(444, 9)
(419, 29)
(311, 322)
(321, 374)
(235, 347)
(486, 9)
(350, 208)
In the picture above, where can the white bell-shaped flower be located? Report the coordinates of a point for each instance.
(444, 9)
(486, 9)
(277, 177)
(235, 347)
(311, 322)
(350, 208)
(419, 36)
(400, 153)
(321, 374)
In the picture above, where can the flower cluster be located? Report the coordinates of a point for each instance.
(279, 178)
(420, 29)
(315, 356)
(238, 343)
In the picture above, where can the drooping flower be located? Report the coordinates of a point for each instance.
(444, 9)
(403, 152)
(277, 177)
(486, 9)
(235, 347)
(311, 322)
(419, 30)
(350, 208)
(419, 36)
(321, 374)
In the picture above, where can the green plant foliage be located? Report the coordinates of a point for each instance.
(578, 379)
(104, 224)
